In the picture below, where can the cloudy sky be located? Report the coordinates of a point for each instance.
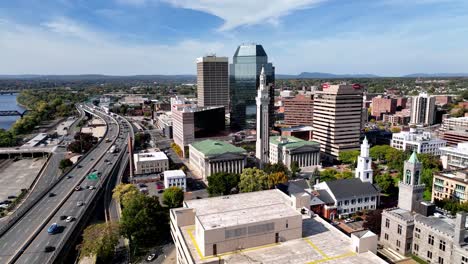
(126, 37)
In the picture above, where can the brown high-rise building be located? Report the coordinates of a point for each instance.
(213, 81)
(299, 110)
(383, 105)
(337, 120)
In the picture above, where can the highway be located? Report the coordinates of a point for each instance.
(26, 240)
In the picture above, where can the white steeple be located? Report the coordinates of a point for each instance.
(263, 131)
(364, 166)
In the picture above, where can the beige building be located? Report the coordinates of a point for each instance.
(287, 149)
(213, 81)
(150, 162)
(451, 185)
(337, 123)
(423, 109)
(262, 227)
(212, 156)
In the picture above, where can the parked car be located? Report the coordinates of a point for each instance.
(160, 191)
(12, 197)
(348, 220)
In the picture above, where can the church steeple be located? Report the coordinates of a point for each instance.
(364, 165)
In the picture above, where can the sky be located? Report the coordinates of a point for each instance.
(128, 37)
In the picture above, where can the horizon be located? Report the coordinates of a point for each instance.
(387, 38)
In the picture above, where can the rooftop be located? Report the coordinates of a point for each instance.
(354, 187)
(174, 173)
(442, 223)
(402, 213)
(149, 156)
(245, 50)
(239, 209)
(456, 175)
(290, 142)
(321, 243)
(211, 147)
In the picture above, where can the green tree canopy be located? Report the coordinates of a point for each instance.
(100, 240)
(276, 167)
(173, 197)
(252, 180)
(222, 183)
(386, 183)
(124, 192)
(328, 174)
(65, 163)
(349, 156)
(295, 169)
(276, 178)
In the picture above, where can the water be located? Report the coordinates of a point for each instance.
(8, 102)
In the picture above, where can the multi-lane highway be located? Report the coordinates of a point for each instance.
(26, 241)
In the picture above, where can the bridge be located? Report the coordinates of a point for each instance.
(13, 113)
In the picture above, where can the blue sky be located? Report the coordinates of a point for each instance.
(125, 37)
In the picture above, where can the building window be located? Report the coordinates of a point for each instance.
(340, 203)
(399, 229)
(372, 198)
(353, 201)
(430, 240)
(464, 260)
(416, 247)
(398, 243)
(386, 236)
(387, 223)
(359, 200)
(441, 260)
(346, 202)
(429, 254)
(442, 245)
(366, 200)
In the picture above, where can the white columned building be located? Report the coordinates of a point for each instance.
(263, 130)
(364, 165)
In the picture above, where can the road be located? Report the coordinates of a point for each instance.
(30, 232)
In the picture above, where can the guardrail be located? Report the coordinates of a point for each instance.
(21, 211)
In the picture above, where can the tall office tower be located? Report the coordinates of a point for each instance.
(213, 81)
(298, 111)
(411, 189)
(244, 79)
(337, 118)
(423, 109)
(263, 126)
(364, 165)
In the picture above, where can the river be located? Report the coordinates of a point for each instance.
(8, 102)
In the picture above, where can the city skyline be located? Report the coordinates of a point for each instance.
(126, 37)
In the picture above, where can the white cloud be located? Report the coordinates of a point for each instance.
(133, 2)
(237, 13)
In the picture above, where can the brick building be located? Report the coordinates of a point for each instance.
(298, 110)
(383, 105)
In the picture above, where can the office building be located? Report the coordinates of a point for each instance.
(383, 105)
(175, 178)
(150, 162)
(338, 111)
(287, 149)
(213, 81)
(244, 79)
(262, 227)
(212, 156)
(423, 109)
(418, 140)
(263, 128)
(299, 110)
(455, 157)
(400, 118)
(455, 130)
(190, 122)
(450, 185)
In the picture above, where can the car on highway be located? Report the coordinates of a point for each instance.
(69, 219)
(69, 176)
(12, 197)
(79, 203)
(52, 228)
(151, 257)
(49, 249)
(91, 187)
(77, 188)
(51, 194)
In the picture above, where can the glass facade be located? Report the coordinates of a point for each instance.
(244, 81)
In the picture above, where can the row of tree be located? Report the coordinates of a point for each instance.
(144, 222)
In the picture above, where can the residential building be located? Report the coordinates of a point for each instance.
(454, 137)
(244, 79)
(418, 140)
(455, 130)
(383, 105)
(338, 111)
(287, 149)
(401, 118)
(414, 228)
(455, 123)
(175, 178)
(423, 109)
(455, 157)
(302, 132)
(263, 128)
(213, 81)
(451, 184)
(150, 162)
(299, 110)
(443, 100)
(212, 156)
(401, 103)
(262, 227)
(364, 165)
(190, 122)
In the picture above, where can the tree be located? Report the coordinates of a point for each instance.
(378, 152)
(222, 183)
(176, 149)
(276, 178)
(349, 157)
(373, 221)
(395, 130)
(173, 197)
(295, 169)
(64, 164)
(100, 240)
(386, 183)
(328, 174)
(275, 167)
(347, 174)
(124, 192)
(252, 180)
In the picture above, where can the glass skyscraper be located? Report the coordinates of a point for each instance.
(244, 79)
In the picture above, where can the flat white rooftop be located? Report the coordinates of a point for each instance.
(239, 209)
(174, 174)
(150, 156)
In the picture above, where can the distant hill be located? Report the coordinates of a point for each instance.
(323, 75)
(437, 75)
